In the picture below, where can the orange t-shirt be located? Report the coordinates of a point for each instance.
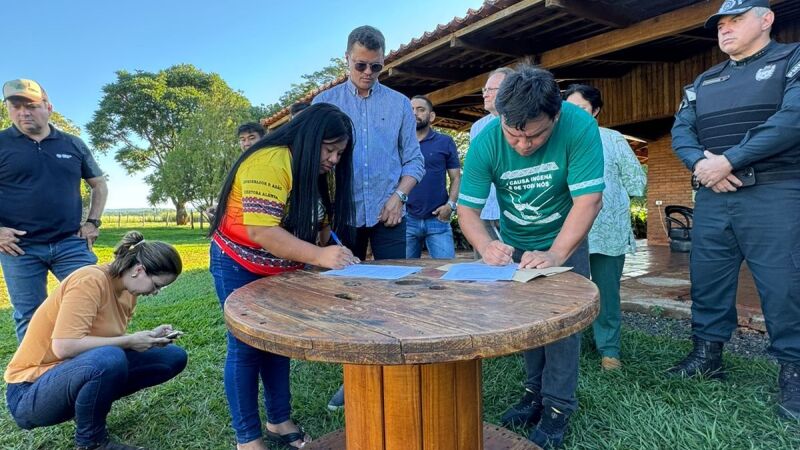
(258, 198)
(84, 304)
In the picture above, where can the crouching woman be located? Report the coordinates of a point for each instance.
(77, 358)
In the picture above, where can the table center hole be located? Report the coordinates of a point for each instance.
(346, 296)
(437, 287)
(408, 282)
(405, 295)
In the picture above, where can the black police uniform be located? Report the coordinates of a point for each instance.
(749, 111)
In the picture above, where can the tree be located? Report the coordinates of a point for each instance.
(204, 152)
(143, 113)
(333, 71)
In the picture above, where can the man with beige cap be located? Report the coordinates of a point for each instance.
(41, 169)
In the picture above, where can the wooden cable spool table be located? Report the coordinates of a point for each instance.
(411, 348)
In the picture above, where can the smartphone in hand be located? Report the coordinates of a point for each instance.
(175, 334)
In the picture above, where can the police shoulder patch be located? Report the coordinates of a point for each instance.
(793, 71)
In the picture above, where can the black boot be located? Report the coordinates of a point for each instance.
(549, 434)
(789, 383)
(526, 412)
(705, 359)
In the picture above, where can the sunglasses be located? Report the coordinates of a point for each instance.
(362, 66)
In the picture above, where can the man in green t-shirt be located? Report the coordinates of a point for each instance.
(545, 158)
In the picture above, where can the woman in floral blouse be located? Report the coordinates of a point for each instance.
(611, 236)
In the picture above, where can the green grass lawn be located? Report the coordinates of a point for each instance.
(636, 408)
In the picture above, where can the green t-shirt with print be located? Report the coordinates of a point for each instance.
(535, 192)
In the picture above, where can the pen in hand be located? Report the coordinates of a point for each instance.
(339, 243)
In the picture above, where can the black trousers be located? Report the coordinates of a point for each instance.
(761, 225)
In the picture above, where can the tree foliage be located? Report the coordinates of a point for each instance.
(141, 114)
(334, 70)
(204, 152)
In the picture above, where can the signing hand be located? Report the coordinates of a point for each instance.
(392, 212)
(539, 260)
(8, 241)
(495, 253)
(89, 232)
(443, 213)
(336, 257)
(713, 169)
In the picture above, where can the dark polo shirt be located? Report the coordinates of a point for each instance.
(40, 183)
(430, 193)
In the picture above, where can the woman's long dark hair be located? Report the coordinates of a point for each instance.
(304, 135)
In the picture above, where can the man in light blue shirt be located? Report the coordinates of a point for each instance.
(387, 161)
(490, 214)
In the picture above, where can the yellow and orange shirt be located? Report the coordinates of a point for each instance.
(258, 198)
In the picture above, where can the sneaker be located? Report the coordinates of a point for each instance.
(337, 401)
(789, 400)
(610, 363)
(705, 359)
(549, 434)
(526, 412)
(109, 445)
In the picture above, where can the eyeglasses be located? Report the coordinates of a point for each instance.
(362, 66)
(488, 90)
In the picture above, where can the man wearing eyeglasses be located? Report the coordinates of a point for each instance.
(41, 169)
(490, 213)
(545, 158)
(387, 161)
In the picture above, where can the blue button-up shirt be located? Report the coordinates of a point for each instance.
(385, 144)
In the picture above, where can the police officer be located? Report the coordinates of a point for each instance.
(738, 131)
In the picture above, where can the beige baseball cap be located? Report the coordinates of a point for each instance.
(28, 89)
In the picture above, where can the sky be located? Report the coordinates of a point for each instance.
(259, 48)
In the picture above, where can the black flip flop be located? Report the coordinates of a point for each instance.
(288, 438)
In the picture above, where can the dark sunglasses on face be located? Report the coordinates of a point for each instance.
(362, 66)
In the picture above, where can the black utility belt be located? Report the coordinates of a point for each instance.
(749, 177)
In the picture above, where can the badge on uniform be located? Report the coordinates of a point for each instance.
(793, 71)
(765, 73)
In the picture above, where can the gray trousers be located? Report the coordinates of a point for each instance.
(552, 370)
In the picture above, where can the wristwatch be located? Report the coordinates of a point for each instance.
(452, 205)
(95, 222)
(402, 195)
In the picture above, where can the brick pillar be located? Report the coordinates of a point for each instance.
(668, 181)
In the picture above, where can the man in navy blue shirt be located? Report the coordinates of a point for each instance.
(41, 169)
(430, 205)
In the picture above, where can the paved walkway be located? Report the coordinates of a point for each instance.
(656, 280)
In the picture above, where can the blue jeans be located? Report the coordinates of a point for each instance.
(438, 237)
(85, 386)
(244, 365)
(26, 275)
(552, 370)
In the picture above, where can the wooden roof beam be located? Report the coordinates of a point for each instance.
(601, 14)
(504, 13)
(424, 74)
(672, 23)
(490, 47)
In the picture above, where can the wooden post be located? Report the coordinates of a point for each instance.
(119, 220)
(191, 219)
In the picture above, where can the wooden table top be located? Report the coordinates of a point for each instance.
(417, 319)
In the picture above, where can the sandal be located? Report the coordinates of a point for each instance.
(288, 438)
